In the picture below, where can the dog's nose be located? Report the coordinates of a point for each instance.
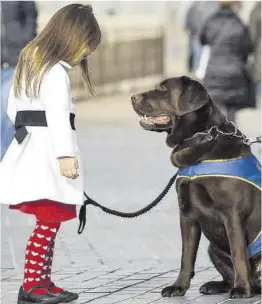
(136, 99)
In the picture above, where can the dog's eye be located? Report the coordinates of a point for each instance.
(162, 88)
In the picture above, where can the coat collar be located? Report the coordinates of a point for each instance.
(65, 64)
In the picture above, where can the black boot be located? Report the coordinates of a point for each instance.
(64, 296)
(25, 297)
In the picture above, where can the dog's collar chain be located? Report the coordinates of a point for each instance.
(213, 133)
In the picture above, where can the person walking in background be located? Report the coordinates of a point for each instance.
(226, 77)
(41, 173)
(196, 16)
(255, 32)
(18, 27)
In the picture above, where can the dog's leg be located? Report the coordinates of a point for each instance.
(224, 266)
(236, 238)
(190, 241)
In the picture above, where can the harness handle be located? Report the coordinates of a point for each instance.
(90, 201)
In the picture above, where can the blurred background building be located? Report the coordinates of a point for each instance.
(142, 42)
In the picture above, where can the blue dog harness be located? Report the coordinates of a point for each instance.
(246, 169)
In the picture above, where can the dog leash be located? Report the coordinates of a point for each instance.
(156, 201)
(90, 201)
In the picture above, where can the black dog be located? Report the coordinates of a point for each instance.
(226, 210)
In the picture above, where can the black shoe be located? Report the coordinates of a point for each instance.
(64, 296)
(25, 297)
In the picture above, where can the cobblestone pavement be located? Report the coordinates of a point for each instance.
(117, 260)
(136, 286)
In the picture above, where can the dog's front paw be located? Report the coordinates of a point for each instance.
(239, 293)
(173, 291)
(213, 287)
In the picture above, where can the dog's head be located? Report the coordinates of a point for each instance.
(180, 106)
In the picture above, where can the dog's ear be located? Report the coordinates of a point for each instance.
(187, 95)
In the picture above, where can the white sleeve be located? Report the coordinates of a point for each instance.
(55, 92)
(11, 105)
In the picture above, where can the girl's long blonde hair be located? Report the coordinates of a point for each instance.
(71, 35)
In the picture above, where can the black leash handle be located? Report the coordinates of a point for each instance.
(90, 201)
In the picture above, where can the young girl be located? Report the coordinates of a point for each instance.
(41, 172)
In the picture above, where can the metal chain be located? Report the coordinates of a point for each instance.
(245, 139)
(249, 141)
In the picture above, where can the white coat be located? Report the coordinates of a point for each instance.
(30, 171)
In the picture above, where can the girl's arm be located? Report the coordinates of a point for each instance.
(55, 92)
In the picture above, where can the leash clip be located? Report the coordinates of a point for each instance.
(249, 141)
(246, 141)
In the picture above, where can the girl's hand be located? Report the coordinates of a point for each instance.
(68, 167)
